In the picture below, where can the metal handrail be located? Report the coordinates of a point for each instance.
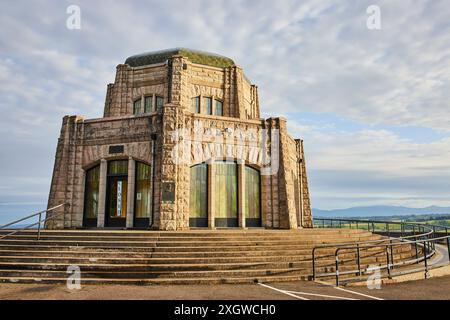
(40, 221)
(426, 240)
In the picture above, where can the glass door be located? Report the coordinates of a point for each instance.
(117, 187)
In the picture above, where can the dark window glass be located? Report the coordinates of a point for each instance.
(196, 104)
(92, 192)
(208, 105)
(118, 167)
(219, 108)
(148, 105)
(143, 190)
(137, 107)
(159, 102)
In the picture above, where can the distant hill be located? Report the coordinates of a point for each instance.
(382, 211)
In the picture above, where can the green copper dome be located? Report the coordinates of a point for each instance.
(195, 56)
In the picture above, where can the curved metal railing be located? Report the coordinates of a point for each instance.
(38, 224)
(399, 234)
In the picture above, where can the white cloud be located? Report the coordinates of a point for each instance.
(315, 56)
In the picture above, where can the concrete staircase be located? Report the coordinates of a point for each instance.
(190, 257)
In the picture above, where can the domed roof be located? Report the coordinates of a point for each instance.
(195, 56)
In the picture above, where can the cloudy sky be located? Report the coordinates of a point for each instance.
(372, 105)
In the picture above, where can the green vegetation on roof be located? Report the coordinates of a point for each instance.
(195, 56)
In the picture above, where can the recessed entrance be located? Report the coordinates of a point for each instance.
(116, 194)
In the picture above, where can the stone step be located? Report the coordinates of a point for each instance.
(237, 238)
(97, 242)
(185, 265)
(153, 275)
(196, 256)
(198, 233)
(167, 281)
(129, 254)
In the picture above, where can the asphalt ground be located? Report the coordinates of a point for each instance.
(434, 288)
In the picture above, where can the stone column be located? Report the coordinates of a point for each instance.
(130, 192)
(211, 216)
(241, 194)
(102, 193)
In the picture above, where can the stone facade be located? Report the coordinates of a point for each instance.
(172, 137)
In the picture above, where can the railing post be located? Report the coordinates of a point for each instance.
(39, 228)
(417, 250)
(337, 268)
(387, 262)
(359, 259)
(323, 223)
(392, 255)
(425, 259)
(448, 244)
(433, 244)
(368, 226)
(314, 263)
(387, 228)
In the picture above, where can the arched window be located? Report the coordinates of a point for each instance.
(91, 197)
(252, 203)
(198, 201)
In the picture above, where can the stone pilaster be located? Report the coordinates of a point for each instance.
(211, 191)
(67, 175)
(241, 194)
(307, 219)
(102, 193)
(130, 192)
(288, 218)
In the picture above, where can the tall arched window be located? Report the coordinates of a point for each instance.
(198, 201)
(252, 203)
(91, 197)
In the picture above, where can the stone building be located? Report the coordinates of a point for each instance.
(181, 144)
